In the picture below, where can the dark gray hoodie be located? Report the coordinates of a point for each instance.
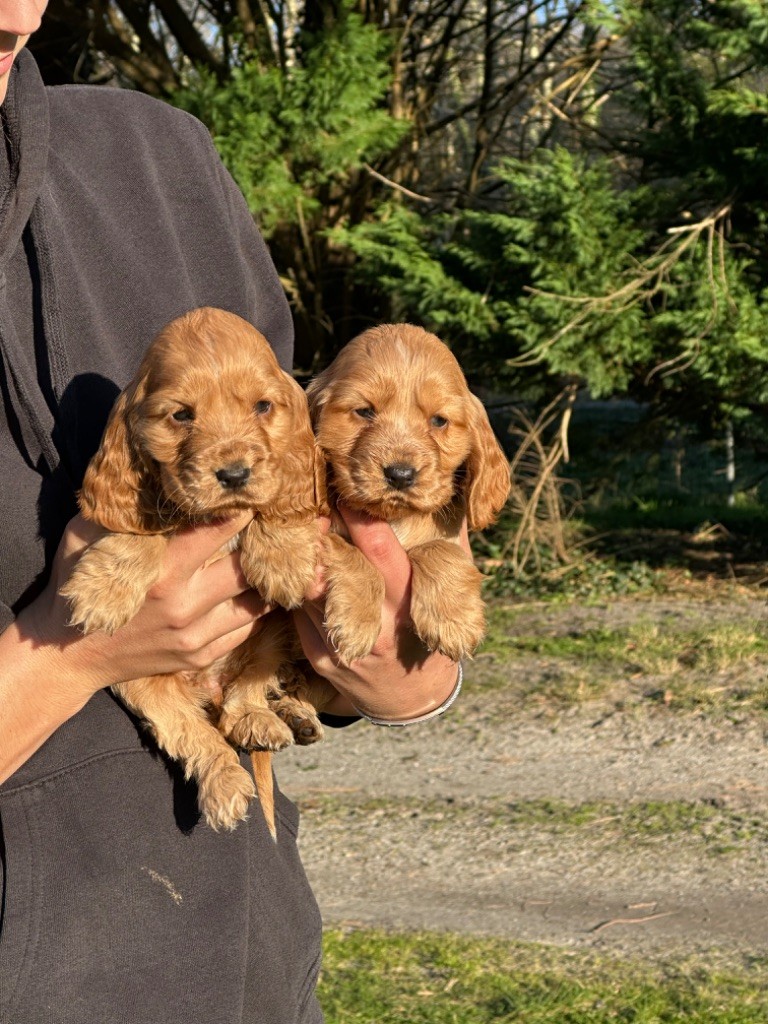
(118, 903)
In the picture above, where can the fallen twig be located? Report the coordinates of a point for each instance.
(629, 920)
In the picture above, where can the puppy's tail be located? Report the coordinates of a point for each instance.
(265, 786)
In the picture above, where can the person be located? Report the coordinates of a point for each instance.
(118, 903)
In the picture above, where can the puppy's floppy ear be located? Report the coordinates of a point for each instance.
(304, 478)
(487, 469)
(120, 491)
(317, 394)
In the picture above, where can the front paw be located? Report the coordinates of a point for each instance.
(280, 563)
(447, 609)
(224, 796)
(352, 636)
(257, 729)
(353, 613)
(301, 720)
(457, 639)
(105, 589)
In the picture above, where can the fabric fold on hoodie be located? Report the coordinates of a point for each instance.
(26, 125)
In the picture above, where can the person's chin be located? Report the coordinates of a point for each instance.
(6, 63)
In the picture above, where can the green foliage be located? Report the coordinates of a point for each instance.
(567, 234)
(653, 282)
(287, 135)
(636, 266)
(469, 276)
(399, 255)
(714, 325)
(591, 579)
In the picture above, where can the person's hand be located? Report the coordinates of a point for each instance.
(194, 614)
(400, 679)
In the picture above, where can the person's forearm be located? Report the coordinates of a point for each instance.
(38, 693)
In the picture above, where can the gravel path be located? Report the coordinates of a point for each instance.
(640, 830)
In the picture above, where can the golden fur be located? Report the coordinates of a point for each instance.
(396, 396)
(392, 406)
(209, 398)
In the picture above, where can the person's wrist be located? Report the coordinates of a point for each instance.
(61, 657)
(435, 710)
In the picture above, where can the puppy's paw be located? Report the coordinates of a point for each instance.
(101, 606)
(301, 720)
(287, 590)
(442, 628)
(353, 625)
(352, 640)
(109, 584)
(224, 796)
(353, 601)
(257, 729)
(447, 609)
(280, 563)
(457, 640)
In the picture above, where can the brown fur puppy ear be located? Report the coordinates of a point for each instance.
(487, 483)
(119, 490)
(304, 480)
(317, 395)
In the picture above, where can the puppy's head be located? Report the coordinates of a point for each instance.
(402, 432)
(210, 426)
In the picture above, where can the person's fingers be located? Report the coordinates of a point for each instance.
(315, 613)
(231, 615)
(192, 546)
(309, 626)
(223, 645)
(217, 582)
(377, 541)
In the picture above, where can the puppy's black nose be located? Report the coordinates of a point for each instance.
(400, 475)
(233, 476)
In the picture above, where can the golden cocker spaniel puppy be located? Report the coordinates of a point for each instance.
(210, 426)
(406, 441)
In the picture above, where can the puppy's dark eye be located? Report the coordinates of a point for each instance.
(183, 415)
(439, 422)
(262, 407)
(366, 413)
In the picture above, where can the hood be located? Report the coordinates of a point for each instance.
(35, 381)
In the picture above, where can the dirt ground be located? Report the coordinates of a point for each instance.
(628, 827)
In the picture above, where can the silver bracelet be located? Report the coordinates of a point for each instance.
(420, 718)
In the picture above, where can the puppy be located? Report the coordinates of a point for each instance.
(209, 427)
(406, 441)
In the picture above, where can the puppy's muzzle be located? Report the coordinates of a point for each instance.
(400, 475)
(233, 477)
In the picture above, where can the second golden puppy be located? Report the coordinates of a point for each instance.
(406, 441)
(209, 427)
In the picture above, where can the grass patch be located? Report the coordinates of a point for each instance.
(634, 547)
(711, 829)
(424, 978)
(643, 647)
(718, 665)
